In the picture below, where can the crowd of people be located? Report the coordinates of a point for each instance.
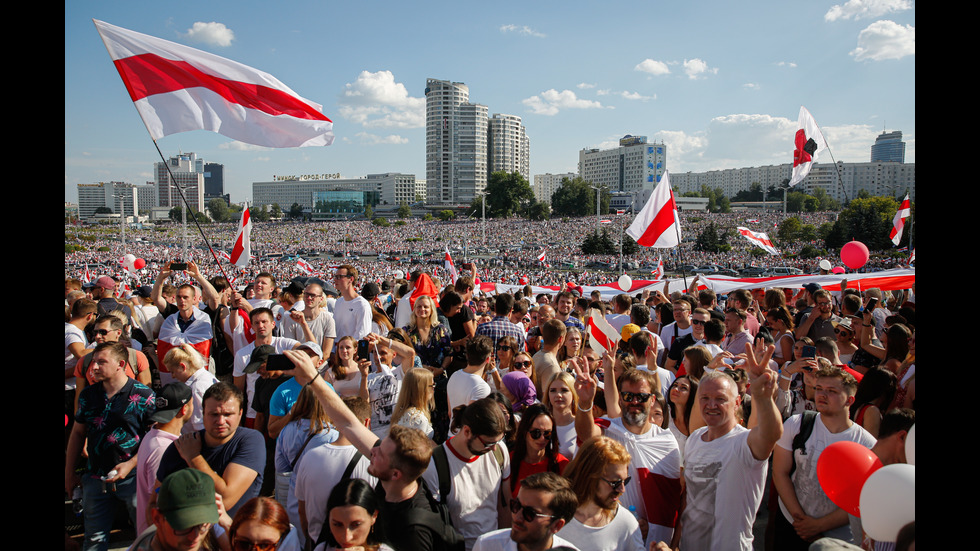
(368, 406)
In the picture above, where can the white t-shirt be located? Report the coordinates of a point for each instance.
(72, 335)
(475, 489)
(383, 390)
(243, 356)
(499, 540)
(811, 496)
(352, 317)
(199, 382)
(724, 487)
(567, 440)
(317, 474)
(655, 489)
(667, 336)
(322, 326)
(464, 388)
(621, 534)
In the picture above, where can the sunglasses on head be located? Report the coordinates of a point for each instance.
(529, 513)
(641, 397)
(538, 433)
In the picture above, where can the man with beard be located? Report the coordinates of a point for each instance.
(599, 475)
(656, 456)
(397, 461)
(543, 506)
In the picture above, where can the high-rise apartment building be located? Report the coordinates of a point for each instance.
(545, 185)
(455, 144)
(188, 173)
(633, 166)
(509, 147)
(121, 198)
(888, 147)
(214, 180)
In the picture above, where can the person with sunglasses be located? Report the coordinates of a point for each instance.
(536, 448)
(543, 506)
(599, 475)
(655, 453)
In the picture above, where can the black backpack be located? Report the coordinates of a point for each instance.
(807, 419)
(453, 540)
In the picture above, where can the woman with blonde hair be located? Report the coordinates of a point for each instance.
(415, 401)
(561, 400)
(572, 347)
(432, 344)
(188, 366)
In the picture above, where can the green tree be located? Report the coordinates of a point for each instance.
(539, 210)
(103, 210)
(507, 194)
(259, 214)
(368, 212)
(176, 214)
(789, 229)
(218, 209)
(276, 211)
(404, 211)
(712, 239)
(447, 214)
(599, 243)
(868, 220)
(427, 218)
(381, 221)
(296, 211)
(576, 197)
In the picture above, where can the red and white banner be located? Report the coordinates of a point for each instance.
(304, 266)
(898, 223)
(759, 239)
(242, 251)
(807, 145)
(178, 89)
(602, 335)
(224, 255)
(658, 224)
(198, 335)
(752, 221)
(541, 256)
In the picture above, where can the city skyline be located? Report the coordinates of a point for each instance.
(720, 84)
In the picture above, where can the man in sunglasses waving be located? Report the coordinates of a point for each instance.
(655, 470)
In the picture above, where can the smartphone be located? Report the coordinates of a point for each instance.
(178, 266)
(363, 350)
(278, 362)
(872, 304)
(809, 352)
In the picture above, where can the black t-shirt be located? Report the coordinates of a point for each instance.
(393, 517)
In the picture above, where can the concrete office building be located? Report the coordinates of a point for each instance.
(888, 147)
(188, 173)
(508, 145)
(392, 189)
(455, 144)
(545, 185)
(120, 197)
(633, 166)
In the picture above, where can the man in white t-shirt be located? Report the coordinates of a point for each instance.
(544, 504)
(351, 313)
(247, 364)
(468, 385)
(806, 513)
(681, 325)
(479, 475)
(725, 463)
(313, 312)
(621, 304)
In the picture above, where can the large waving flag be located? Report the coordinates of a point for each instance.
(305, 266)
(807, 145)
(178, 89)
(758, 239)
(451, 267)
(658, 224)
(602, 335)
(242, 251)
(898, 223)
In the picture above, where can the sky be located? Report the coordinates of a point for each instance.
(720, 83)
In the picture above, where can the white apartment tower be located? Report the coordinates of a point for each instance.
(508, 146)
(188, 173)
(455, 144)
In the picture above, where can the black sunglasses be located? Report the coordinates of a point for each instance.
(641, 397)
(538, 433)
(529, 513)
(618, 484)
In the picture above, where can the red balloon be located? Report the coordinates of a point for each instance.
(139, 263)
(842, 469)
(854, 254)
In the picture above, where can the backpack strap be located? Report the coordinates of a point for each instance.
(350, 465)
(325, 529)
(442, 469)
(807, 419)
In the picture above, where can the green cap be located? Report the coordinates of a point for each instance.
(186, 499)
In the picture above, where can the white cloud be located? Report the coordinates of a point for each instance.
(636, 96)
(864, 9)
(375, 100)
(241, 146)
(523, 30)
(372, 139)
(603, 92)
(653, 67)
(213, 33)
(695, 68)
(789, 64)
(584, 86)
(885, 40)
(551, 101)
(751, 86)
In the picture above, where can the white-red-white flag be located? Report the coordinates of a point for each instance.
(659, 272)
(541, 256)
(752, 221)
(178, 89)
(451, 267)
(807, 145)
(224, 255)
(898, 223)
(620, 212)
(304, 266)
(658, 224)
(604, 221)
(758, 239)
(912, 258)
(602, 335)
(242, 250)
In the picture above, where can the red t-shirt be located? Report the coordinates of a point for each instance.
(527, 469)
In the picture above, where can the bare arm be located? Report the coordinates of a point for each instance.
(585, 387)
(156, 296)
(209, 293)
(610, 389)
(762, 438)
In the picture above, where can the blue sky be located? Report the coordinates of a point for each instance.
(719, 82)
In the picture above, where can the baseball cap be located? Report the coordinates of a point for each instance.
(370, 290)
(105, 282)
(186, 499)
(629, 330)
(170, 399)
(259, 356)
(314, 347)
(812, 287)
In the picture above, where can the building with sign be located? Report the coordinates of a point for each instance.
(633, 166)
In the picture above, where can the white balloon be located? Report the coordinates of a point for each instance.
(128, 261)
(888, 501)
(910, 446)
(625, 282)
